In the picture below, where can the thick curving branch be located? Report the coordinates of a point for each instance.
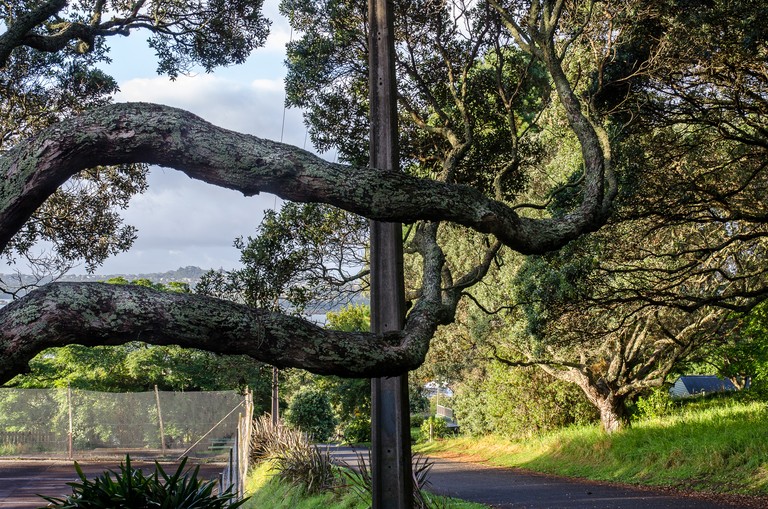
(22, 26)
(60, 314)
(155, 134)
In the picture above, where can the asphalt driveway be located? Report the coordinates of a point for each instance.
(513, 488)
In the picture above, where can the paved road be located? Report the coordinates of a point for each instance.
(511, 488)
(22, 481)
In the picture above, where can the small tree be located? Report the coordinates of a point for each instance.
(311, 411)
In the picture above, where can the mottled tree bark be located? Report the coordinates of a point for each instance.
(91, 314)
(61, 314)
(155, 134)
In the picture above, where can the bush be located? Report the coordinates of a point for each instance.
(131, 489)
(417, 420)
(518, 402)
(656, 403)
(438, 426)
(357, 430)
(267, 441)
(296, 460)
(311, 412)
(306, 466)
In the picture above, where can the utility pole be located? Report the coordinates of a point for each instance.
(390, 445)
(275, 399)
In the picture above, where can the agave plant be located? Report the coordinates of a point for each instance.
(130, 488)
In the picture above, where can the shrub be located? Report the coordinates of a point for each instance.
(307, 466)
(296, 460)
(357, 430)
(311, 411)
(417, 420)
(131, 489)
(267, 440)
(518, 402)
(438, 426)
(656, 403)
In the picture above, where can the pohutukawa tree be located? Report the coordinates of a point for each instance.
(619, 310)
(128, 134)
(507, 107)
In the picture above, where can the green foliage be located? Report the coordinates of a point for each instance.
(417, 420)
(417, 400)
(184, 34)
(350, 318)
(546, 283)
(81, 220)
(518, 402)
(470, 87)
(311, 412)
(434, 427)
(292, 454)
(655, 403)
(132, 489)
(357, 430)
(303, 254)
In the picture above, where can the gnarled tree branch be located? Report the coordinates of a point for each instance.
(155, 134)
(91, 314)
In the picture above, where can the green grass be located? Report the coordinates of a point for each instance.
(722, 449)
(266, 490)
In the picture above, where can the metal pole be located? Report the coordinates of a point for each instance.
(69, 433)
(160, 420)
(390, 445)
(275, 400)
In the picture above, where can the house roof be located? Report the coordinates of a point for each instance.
(706, 383)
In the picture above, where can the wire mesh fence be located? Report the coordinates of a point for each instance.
(64, 423)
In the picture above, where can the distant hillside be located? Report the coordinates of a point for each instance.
(190, 275)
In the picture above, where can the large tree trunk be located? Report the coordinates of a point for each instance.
(614, 415)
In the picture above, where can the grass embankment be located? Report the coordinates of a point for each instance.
(266, 490)
(722, 449)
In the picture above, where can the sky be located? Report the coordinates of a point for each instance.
(185, 222)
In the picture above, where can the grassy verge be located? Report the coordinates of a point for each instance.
(720, 449)
(266, 490)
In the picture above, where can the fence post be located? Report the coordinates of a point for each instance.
(160, 420)
(231, 479)
(69, 431)
(244, 434)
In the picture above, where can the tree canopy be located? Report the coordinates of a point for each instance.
(526, 126)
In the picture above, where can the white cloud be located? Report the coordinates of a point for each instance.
(181, 221)
(254, 107)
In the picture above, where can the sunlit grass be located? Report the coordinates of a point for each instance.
(721, 449)
(266, 490)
